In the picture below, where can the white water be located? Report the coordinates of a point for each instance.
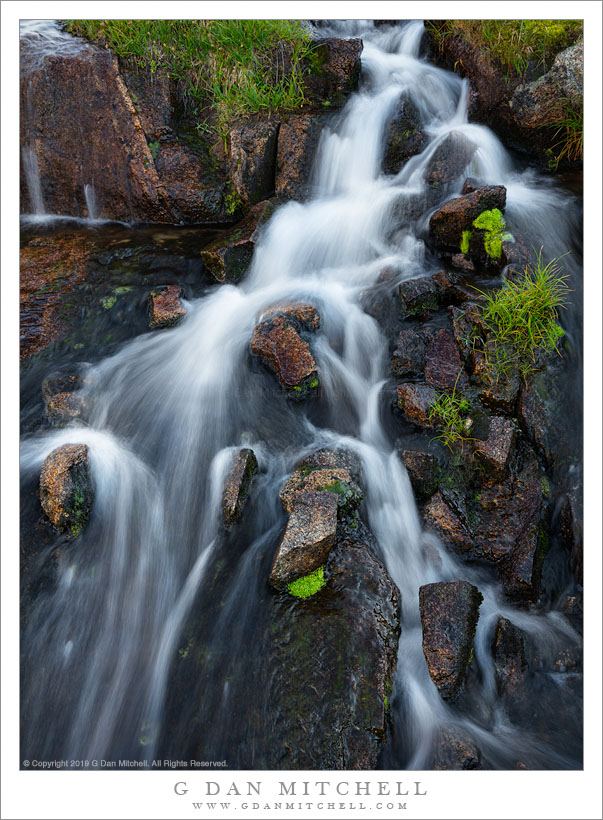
(166, 408)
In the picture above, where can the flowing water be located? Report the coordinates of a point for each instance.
(165, 413)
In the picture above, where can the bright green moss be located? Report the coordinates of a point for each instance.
(465, 241)
(493, 223)
(308, 585)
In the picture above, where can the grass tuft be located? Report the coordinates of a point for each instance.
(447, 412)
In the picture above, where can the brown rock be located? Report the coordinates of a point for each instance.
(536, 417)
(150, 93)
(237, 484)
(509, 653)
(165, 307)
(419, 297)
(455, 216)
(495, 453)
(462, 262)
(306, 315)
(339, 69)
(297, 143)
(252, 158)
(449, 613)
(415, 401)
(423, 470)
(308, 538)
(456, 751)
(60, 381)
(449, 161)
(443, 520)
(443, 365)
(66, 491)
(64, 408)
(281, 347)
(315, 481)
(409, 356)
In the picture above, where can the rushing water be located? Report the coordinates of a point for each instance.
(166, 411)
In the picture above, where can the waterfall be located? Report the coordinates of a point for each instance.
(32, 176)
(168, 407)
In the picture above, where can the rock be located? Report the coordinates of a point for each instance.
(277, 342)
(335, 654)
(66, 492)
(423, 470)
(409, 356)
(415, 401)
(443, 365)
(403, 138)
(495, 452)
(462, 262)
(228, 257)
(449, 161)
(252, 158)
(335, 70)
(332, 459)
(536, 417)
(419, 296)
(298, 138)
(165, 307)
(571, 528)
(60, 381)
(237, 485)
(449, 614)
(308, 537)
(455, 751)
(469, 186)
(501, 396)
(441, 518)
(307, 316)
(319, 480)
(63, 408)
(509, 653)
(447, 224)
(150, 93)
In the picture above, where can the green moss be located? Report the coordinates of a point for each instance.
(465, 241)
(108, 302)
(308, 585)
(232, 204)
(154, 149)
(545, 486)
(122, 289)
(493, 223)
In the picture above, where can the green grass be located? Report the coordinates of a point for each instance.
(239, 67)
(447, 412)
(569, 136)
(515, 44)
(309, 584)
(522, 318)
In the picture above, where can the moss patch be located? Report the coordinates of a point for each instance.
(308, 585)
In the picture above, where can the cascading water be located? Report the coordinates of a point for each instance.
(165, 413)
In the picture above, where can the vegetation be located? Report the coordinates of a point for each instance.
(522, 318)
(309, 584)
(517, 44)
(447, 412)
(493, 223)
(569, 135)
(239, 67)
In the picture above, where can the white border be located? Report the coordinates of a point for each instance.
(548, 795)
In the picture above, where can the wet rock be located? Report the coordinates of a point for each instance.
(449, 613)
(516, 254)
(495, 452)
(335, 480)
(447, 224)
(456, 751)
(165, 307)
(423, 470)
(509, 653)
(571, 527)
(419, 297)
(469, 186)
(66, 493)
(335, 70)
(298, 138)
(60, 381)
(252, 158)
(63, 408)
(237, 485)
(307, 316)
(462, 262)
(409, 356)
(229, 256)
(404, 137)
(277, 342)
(332, 459)
(308, 537)
(443, 365)
(335, 654)
(449, 161)
(536, 416)
(501, 396)
(415, 401)
(151, 95)
(441, 518)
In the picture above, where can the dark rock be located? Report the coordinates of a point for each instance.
(495, 452)
(509, 653)
(332, 459)
(308, 537)
(307, 316)
(423, 470)
(462, 262)
(441, 518)
(409, 356)
(449, 613)
(447, 224)
(469, 186)
(535, 413)
(326, 479)
(151, 95)
(443, 365)
(229, 256)
(456, 751)
(419, 297)
(449, 161)
(60, 381)
(516, 255)
(66, 492)
(165, 307)
(335, 653)
(237, 485)
(403, 138)
(415, 401)
(335, 70)
(280, 346)
(298, 138)
(571, 528)
(252, 158)
(63, 408)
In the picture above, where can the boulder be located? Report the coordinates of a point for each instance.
(307, 316)
(152, 99)
(278, 343)
(447, 224)
(415, 401)
(443, 366)
(335, 654)
(60, 381)
(308, 537)
(509, 652)
(298, 138)
(334, 70)
(535, 410)
(237, 485)
(455, 751)
(409, 356)
(419, 297)
(423, 470)
(571, 526)
(63, 408)
(66, 492)
(403, 138)
(165, 307)
(252, 158)
(336, 480)
(452, 527)
(449, 614)
(449, 161)
(495, 452)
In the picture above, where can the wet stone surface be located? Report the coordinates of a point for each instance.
(165, 307)
(278, 343)
(237, 485)
(415, 401)
(66, 492)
